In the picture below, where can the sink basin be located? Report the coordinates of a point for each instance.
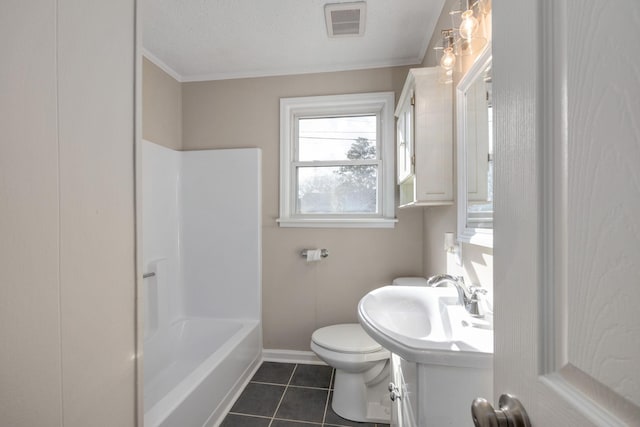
(426, 325)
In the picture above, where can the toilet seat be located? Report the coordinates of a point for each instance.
(345, 338)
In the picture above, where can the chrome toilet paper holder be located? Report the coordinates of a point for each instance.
(323, 252)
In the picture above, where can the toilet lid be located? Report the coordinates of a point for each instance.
(346, 338)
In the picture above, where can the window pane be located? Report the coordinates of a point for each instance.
(337, 138)
(337, 189)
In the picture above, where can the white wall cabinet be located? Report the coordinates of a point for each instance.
(425, 140)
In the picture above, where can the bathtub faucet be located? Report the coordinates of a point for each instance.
(468, 296)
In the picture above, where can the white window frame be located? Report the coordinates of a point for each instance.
(291, 109)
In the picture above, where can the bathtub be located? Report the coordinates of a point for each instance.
(195, 367)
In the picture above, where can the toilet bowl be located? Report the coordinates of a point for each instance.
(360, 391)
(362, 372)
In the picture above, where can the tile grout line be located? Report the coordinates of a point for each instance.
(283, 393)
(292, 385)
(326, 405)
(243, 414)
(311, 423)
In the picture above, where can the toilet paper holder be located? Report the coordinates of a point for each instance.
(323, 252)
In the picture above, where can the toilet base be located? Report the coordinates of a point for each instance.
(355, 401)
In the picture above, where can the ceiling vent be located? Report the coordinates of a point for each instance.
(345, 19)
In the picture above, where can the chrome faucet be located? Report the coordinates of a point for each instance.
(468, 296)
(440, 280)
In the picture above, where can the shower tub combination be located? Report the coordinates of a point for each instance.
(200, 375)
(201, 246)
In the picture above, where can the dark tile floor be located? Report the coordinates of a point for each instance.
(288, 395)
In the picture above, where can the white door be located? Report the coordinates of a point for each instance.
(567, 218)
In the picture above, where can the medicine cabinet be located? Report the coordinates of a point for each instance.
(474, 117)
(425, 139)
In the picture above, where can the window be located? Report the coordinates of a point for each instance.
(336, 161)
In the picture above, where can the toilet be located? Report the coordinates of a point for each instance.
(362, 372)
(362, 368)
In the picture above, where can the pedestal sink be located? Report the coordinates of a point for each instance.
(423, 325)
(442, 357)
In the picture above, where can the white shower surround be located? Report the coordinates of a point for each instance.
(201, 236)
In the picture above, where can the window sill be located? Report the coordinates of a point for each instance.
(337, 222)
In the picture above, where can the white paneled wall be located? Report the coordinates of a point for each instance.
(30, 357)
(67, 236)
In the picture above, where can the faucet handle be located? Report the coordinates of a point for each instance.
(476, 306)
(475, 290)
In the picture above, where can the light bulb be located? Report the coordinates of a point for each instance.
(448, 59)
(468, 25)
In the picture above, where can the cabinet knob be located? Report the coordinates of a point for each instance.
(394, 392)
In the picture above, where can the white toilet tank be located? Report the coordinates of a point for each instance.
(409, 281)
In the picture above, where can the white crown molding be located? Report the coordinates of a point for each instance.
(162, 65)
(279, 71)
(292, 71)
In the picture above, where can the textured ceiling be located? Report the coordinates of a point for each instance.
(220, 39)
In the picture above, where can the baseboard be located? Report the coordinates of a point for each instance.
(291, 356)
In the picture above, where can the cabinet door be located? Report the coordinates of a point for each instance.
(404, 409)
(405, 140)
(433, 138)
(477, 134)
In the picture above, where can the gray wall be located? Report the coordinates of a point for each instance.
(298, 298)
(161, 107)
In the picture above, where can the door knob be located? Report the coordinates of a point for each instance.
(510, 414)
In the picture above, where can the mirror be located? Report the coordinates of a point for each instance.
(475, 153)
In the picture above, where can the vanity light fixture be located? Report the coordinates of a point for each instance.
(469, 23)
(448, 59)
(465, 37)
